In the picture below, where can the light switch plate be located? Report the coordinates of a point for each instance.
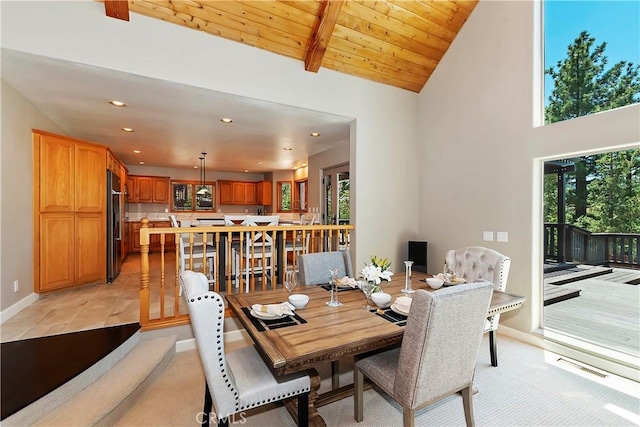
(487, 236)
(502, 236)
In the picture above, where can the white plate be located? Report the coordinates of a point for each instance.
(396, 309)
(265, 316)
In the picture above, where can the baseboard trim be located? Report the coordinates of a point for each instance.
(16, 308)
(623, 367)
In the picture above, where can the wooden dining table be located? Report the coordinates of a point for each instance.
(319, 334)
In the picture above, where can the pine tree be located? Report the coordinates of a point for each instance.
(583, 85)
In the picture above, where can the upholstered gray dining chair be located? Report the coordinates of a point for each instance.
(437, 357)
(476, 263)
(238, 380)
(314, 268)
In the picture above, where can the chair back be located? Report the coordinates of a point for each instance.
(475, 263)
(441, 342)
(174, 221)
(261, 220)
(235, 220)
(314, 268)
(206, 310)
(307, 219)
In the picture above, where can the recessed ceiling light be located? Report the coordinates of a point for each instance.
(314, 134)
(246, 170)
(127, 129)
(117, 103)
(287, 148)
(226, 120)
(136, 151)
(303, 165)
(142, 163)
(259, 163)
(195, 167)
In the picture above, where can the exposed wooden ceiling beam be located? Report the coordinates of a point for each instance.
(118, 9)
(327, 17)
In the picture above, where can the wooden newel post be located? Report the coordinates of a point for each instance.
(144, 272)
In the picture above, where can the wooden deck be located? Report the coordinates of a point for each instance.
(606, 312)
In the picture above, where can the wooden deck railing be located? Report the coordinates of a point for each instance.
(236, 265)
(569, 243)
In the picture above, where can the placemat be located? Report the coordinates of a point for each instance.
(391, 316)
(267, 325)
(327, 287)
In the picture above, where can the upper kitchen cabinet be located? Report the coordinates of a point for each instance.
(90, 177)
(148, 189)
(245, 193)
(264, 193)
(71, 174)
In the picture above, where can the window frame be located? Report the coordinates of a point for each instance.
(280, 185)
(194, 186)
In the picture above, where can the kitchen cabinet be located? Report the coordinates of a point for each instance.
(154, 240)
(249, 193)
(69, 211)
(238, 193)
(264, 194)
(148, 189)
(225, 189)
(244, 193)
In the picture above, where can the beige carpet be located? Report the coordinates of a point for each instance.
(529, 388)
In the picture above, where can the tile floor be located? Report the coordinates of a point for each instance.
(87, 307)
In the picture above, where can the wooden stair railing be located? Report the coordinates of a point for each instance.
(161, 304)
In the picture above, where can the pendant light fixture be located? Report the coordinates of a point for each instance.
(203, 174)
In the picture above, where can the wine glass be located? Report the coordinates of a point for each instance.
(290, 281)
(367, 288)
(334, 289)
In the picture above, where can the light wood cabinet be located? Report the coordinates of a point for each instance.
(69, 190)
(249, 193)
(244, 193)
(154, 239)
(264, 195)
(55, 170)
(148, 189)
(225, 188)
(90, 178)
(90, 247)
(56, 251)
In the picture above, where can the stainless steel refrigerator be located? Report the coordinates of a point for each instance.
(114, 226)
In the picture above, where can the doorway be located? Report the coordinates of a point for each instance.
(591, 238)
(336, 186)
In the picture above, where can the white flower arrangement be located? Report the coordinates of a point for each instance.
(376, 271)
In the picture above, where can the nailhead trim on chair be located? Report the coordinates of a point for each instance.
(223, 371)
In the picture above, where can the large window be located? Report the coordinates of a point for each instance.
(191, 196)
(592, 52)
(284, 196)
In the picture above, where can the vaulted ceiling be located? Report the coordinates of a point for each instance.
(395, 42)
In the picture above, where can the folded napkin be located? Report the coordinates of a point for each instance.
(277, 309)
(457, 280)
(347, 281)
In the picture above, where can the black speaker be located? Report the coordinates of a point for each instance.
(418, 254)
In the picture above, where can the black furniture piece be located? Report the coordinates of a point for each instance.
(418, 254)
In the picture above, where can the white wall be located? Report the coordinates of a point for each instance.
(383, 141)
(480, 153)
(16, 178)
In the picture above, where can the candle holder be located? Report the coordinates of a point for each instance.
(407, 278)
(334, 289)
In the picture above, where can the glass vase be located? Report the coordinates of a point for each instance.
(334, 289)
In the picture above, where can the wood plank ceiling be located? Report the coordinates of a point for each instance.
(395, 42)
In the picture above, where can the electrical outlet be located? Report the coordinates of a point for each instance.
(502, 236)
(16, 286)
(487, 236)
